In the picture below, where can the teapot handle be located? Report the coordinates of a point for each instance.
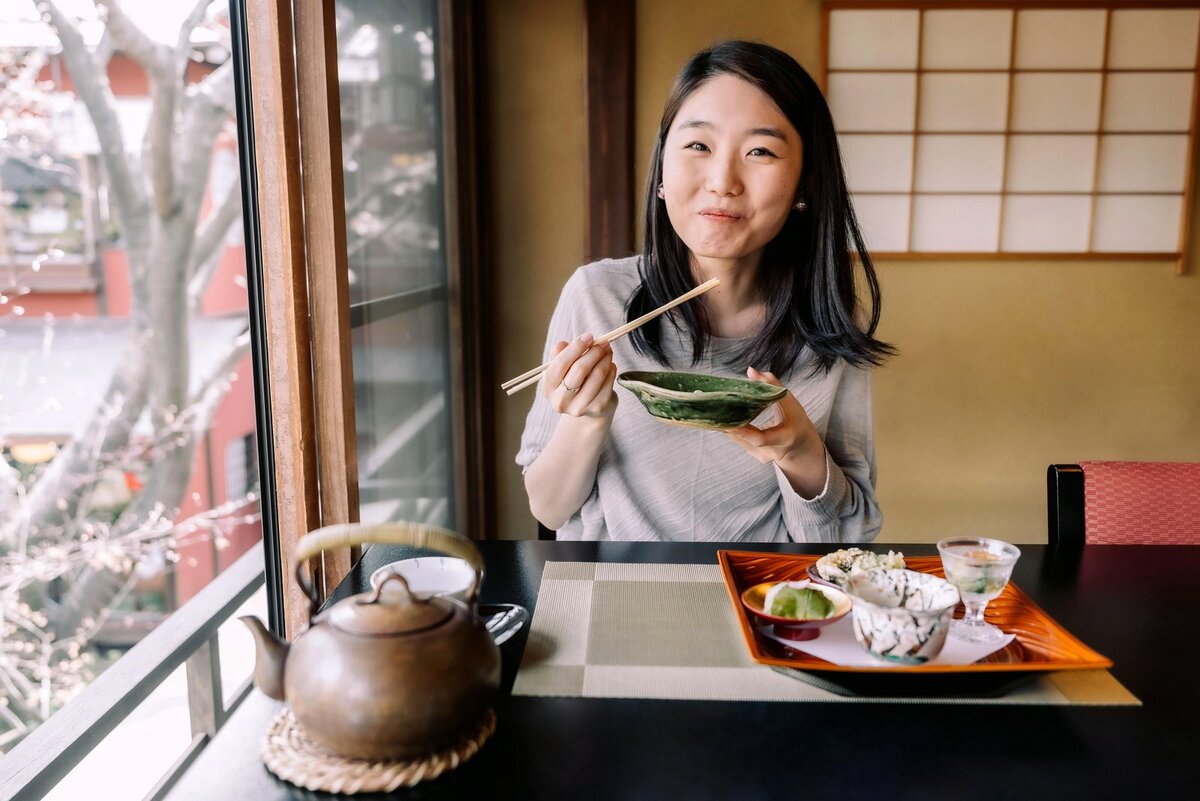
(419, 535)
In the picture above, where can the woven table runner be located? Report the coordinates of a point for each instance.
(607, 630)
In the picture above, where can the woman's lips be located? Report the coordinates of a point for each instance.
(719, 215)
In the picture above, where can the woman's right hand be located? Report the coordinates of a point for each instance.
(579, 380)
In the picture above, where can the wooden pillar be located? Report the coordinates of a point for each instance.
(269, 28)
(469, 279)
(324, 195)
(610, 63)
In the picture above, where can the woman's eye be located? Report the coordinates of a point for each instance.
(697, 146)
(761, 151)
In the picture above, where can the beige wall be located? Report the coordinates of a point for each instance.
(535, 86)
(1004, 367)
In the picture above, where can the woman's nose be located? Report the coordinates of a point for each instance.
(723, 177)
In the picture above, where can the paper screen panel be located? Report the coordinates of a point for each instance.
(1157, 38)
(950, 163)
(1053, 39)
(1131, 163)
(1137, 223)
(1051, 163)
(873, 39)
(873, 101)
(967, 39)
(1056, 101)
(876, 163)
(1046, 223)
(956, 223)
(1151, 101)
(964, 101)
(883, 220)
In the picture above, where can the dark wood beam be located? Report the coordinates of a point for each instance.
(469, 283)
(609, 33)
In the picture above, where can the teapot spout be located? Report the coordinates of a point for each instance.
(269, 658)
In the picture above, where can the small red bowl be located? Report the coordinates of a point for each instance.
(789, 628)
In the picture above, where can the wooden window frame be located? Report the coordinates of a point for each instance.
(298, 278)
(1180, 257)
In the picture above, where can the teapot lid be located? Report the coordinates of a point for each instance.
(378, 613)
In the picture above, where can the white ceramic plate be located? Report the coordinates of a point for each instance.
(432, 575)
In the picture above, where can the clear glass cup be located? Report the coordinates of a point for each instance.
(980, 568)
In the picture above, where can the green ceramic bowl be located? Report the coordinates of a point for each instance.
(700, 401)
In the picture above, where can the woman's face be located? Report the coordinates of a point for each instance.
(731, 167)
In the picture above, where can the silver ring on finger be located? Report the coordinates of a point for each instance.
(569, 388)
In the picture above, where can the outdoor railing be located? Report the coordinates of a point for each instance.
(189, 635)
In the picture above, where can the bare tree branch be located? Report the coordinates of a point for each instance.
(214, 386)
(183, 43)
(104, 51)
(91, 84)
(129, 38)
(158, 60)
(206, 106)
(210, 239)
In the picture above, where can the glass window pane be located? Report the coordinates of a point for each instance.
(964, 102)
(402, 414)
(1157, 38)
(1054, 39)
(390, 146)
(967, 39)
(391, 138)
(873, 39)
(956, 223)
(128, 442)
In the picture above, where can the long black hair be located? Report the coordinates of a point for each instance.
(807, 277)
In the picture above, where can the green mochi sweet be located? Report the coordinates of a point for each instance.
(801, 604)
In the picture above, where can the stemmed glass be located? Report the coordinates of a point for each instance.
(980, 568)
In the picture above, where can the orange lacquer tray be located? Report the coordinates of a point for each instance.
(1041, 644)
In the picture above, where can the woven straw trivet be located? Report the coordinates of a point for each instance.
(290, 755)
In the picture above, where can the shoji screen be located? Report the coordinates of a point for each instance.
(1022, 130)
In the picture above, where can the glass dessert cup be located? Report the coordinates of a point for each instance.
(980, 568)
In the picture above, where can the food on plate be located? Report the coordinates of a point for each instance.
(840, 565)
(798, 600)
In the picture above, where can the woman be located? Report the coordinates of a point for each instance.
(746, 185)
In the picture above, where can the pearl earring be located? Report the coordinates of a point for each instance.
(800, 205)
(661, 196)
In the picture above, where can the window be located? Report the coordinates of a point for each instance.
(390, 85)
(1044, 131)
(126, 389)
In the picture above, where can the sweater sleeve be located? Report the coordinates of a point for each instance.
(541, 420)
(846, 510)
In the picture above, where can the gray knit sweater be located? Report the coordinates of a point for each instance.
(656, 481)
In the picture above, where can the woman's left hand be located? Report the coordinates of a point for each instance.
(792, 443)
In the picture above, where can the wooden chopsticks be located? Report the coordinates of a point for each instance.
(514, 385)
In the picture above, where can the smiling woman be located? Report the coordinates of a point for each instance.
(745, 185)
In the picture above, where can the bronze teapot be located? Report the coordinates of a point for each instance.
(383, 675)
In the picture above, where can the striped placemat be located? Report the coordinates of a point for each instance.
(610, 630)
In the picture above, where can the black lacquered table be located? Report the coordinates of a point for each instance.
(1135, 604)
